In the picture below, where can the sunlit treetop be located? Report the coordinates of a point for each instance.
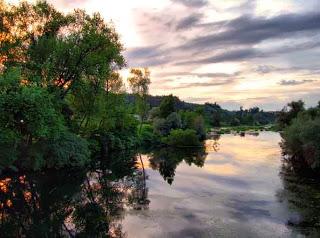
(56, 49)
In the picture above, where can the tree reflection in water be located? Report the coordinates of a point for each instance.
(166, 160)
(89, 203)
(302, 196)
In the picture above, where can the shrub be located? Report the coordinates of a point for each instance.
(167, 106)
(160, 126)
(301, 141)
(67, 149)
(146, 136)
(181, 138)
(173, 121)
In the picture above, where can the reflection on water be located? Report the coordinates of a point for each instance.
(71, 203)
(234, 187)
(166, 160)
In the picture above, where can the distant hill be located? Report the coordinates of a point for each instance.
(216, 115)
(154, 101)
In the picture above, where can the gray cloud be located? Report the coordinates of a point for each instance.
(206, 84)
(188, 22)
(311, 44)
(264, 69)
(233, 55)
(192, 3)
(143, 52)
(294, 82)
(240, 35)
(199, 75)
(248, 30)
(146, 56)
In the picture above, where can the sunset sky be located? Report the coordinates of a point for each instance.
(251, 53)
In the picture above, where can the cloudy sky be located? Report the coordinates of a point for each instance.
(233, 52)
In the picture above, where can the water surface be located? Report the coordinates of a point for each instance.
(234, 187)
(239, 188)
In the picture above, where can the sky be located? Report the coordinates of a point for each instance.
(234, 52)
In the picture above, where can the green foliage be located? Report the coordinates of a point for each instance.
(174, 120)
(30, 112)
(66, 150)
(192, 120)
(154, 113)
(235, 122)
(290, 112)
(301, 141)
(162, 126)
(139, 81)
(182, 138)
(167, 106)
(58, 86)
(147, 136)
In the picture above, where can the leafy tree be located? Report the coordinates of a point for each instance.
(192, 120)
(173, 121)
(290, 112)
(67, 88)
(167, 106)
(160, 126)
(182, 138)
(301, 142)
(139, 82)
(216, 119)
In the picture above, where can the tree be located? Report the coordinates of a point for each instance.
(215, 119)
(167, 106)
(301, 142)
(139, 81)
(290, 112)
(67, 90)
(182, 138)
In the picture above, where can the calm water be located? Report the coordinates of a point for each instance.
(235, 187)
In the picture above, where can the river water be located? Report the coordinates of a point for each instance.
(234, 187)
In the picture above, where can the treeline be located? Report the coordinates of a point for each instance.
(214, 114)
(301, 136)
(166, 125)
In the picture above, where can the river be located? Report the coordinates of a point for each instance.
(234, 187)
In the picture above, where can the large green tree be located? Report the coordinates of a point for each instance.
(59, 84)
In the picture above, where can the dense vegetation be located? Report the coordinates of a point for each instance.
(215, 115)
(301, 136)
(61, 97)
(63, 101)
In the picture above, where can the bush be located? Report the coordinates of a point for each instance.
(164, 126)
(167, 106)
(146, 136)
(301, 141)
(173, 121)
(181, 138)
(67, 149)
